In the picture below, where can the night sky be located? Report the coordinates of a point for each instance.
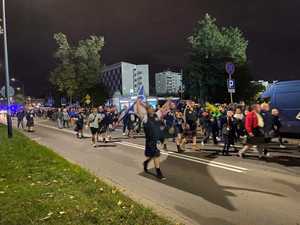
(149, 31)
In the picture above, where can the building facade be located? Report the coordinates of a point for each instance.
(265, 83)
(168, 82)
(125, 78)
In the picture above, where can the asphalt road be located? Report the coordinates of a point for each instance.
(201, 187)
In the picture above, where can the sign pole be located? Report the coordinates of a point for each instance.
(231, 94)
(9, 121)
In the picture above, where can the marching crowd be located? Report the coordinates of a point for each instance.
(184, 122)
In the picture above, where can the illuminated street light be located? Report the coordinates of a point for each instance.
(21, 83)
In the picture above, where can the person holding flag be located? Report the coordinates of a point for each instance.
(152, 130)
(138, 107)
(153, 134)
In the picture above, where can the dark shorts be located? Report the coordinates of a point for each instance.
(258, 138)
(94, 130)
(102, 128)
(30, 123)
(151, 149)
(193, 126)
(192, 131)
(178, 130)
(255, 140)
(79, 126)
(131, 125)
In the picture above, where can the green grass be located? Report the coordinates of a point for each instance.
(39, 187)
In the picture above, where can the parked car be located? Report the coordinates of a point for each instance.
(285, 96)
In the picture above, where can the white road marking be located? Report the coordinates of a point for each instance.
(36, 139)
(193, 159)
(220, 165)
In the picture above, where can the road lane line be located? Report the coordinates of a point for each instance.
(168, 153)
(193, 159)
(62, 130)
(204, 160)
(208, 161)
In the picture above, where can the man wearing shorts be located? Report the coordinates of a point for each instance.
(93, 121)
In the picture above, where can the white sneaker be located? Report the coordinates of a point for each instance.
(282, 146)
(124, 134)
(202, 143)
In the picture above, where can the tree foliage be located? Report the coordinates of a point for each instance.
(211, 47)
(78, 67)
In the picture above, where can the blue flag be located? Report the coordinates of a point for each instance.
(141, 94)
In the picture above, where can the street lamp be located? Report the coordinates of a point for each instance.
(21, 83)
(9, 122)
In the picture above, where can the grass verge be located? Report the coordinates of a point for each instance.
(39, 187)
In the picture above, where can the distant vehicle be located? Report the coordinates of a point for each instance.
(285, 96)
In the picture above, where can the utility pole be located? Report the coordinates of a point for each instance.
(7, 85)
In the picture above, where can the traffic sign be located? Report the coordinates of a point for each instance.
(230, 68)
(63, 101)
(88, 99)
(231, 84)
(232, 91)
(11, 91)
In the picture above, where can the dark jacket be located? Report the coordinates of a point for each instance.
(153, 133)
(268, 121)
(205, 121)
(80, 121)
(276, 124)
(152, 129)
(21, 115)
(170, 119)
(229, 130)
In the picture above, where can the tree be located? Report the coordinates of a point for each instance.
(211, 48)
(78, 67)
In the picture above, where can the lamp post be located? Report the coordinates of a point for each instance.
(9, 122)
(21, 83)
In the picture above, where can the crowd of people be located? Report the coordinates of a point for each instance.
(183, 122)
(25, 118)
